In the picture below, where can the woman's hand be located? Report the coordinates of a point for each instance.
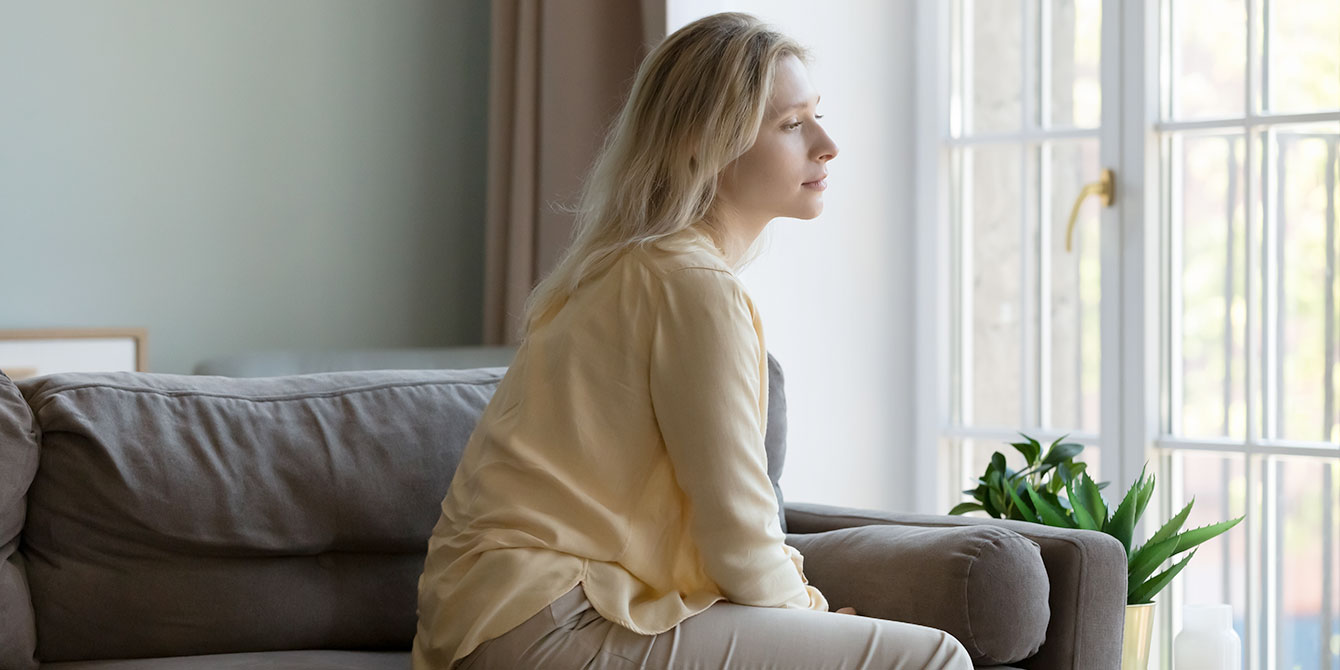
(847, 610)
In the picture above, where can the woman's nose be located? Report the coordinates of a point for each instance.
(827, 148)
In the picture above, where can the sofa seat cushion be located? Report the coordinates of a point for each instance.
(271, 660)
(984, 585)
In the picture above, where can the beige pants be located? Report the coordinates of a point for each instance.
(569, 634)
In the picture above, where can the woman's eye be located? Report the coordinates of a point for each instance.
(793, 126)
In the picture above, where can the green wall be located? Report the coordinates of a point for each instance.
(244, 175)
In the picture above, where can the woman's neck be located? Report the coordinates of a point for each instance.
(737, 233)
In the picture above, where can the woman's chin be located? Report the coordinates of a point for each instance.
(811, 212)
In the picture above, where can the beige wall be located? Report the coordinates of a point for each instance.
(246, 174)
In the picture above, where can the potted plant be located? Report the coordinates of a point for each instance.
(1055, 490)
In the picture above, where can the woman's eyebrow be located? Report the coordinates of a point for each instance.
(802, 103)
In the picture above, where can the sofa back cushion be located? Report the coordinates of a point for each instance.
(177, 515)
(18, 464)
(275, 363)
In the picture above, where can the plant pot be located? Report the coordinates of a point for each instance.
(1136, 635)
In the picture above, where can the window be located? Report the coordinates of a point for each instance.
(1195, 324)
(1248, 127)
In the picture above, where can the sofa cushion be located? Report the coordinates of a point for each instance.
(175, 515)
(270, 660)
(985, 585)
(275, 363)
(18, 464)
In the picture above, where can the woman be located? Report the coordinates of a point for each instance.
(612, 508)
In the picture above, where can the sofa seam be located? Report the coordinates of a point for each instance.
(990, 658)
(46, 396)
(967, 611)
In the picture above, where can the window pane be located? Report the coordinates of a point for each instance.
(1076, 290)
(994, 261)
(1209, 59)
(1303, 163)
(994, 46)
(1217, 574)
(1303, 530)
(1076, 45)
(1208, 217)
(1304, 55)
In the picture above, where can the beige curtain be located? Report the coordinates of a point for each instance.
(560, 70)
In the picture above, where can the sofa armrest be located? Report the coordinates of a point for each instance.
(1086, 570)
(953, 579)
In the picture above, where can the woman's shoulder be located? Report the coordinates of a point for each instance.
(693, 273)
(690, 250)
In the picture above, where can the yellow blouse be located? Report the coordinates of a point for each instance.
(623, 450)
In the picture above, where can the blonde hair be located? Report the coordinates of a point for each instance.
(696, 105)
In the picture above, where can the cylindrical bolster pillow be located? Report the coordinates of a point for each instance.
(984, 585)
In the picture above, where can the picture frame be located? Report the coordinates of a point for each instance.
(34, 353)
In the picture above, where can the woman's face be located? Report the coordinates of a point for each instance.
(783, 173)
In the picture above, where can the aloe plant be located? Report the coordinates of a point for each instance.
(1025, 495)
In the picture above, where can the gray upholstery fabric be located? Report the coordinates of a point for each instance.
(272, 660)
(774, 441)
(1086, 571)
(983, 584)
(176, 515)
(18, 464)
(275, 363)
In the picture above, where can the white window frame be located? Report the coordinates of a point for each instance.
(1135, 389)
(1129, 235)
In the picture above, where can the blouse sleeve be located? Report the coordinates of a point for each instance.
(707, 371)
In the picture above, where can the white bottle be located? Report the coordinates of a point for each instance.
(1207, 640)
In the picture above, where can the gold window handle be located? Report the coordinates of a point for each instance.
(1104, 188)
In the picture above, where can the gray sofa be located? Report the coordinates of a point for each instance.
(181, 521)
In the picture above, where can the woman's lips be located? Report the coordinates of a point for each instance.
(816, 185)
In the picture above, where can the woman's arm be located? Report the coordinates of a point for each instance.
(708, 369)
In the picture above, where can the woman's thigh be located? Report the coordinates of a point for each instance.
(571, 635)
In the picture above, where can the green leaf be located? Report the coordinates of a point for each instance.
(997, 463)
(1057, 501)
(1146, 560)
(1066, 473)
(998, 503)
(994, 479)
(1029, 449)
(1089, 508)
(1195, 536)
(1060, 453)
(1146, 492)
(1024, 510)
(1145, 592)
(1056, 483)
(1123, 521)
(1173, 525)
(965, 507)
(1050, 514)
(991, 510)
(1082, 517)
